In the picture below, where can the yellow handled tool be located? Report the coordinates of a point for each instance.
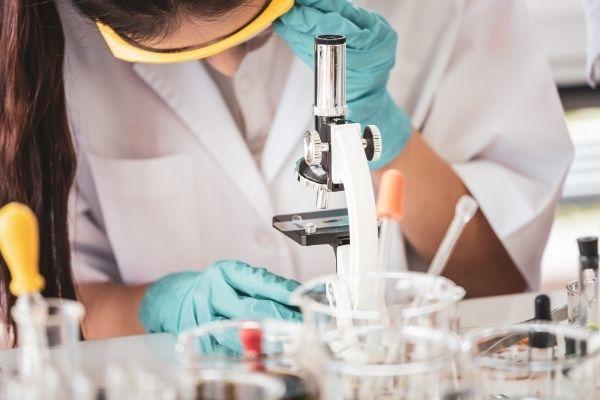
(19, 246)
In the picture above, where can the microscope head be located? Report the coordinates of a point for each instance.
(330, 109)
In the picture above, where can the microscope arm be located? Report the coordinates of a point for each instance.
(350, 168)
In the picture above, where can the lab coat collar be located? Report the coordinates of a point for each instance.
(294, 115)
(190, 92)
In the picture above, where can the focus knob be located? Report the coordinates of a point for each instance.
(374, 143)
(313, 148)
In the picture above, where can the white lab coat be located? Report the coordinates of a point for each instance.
(592, 8)
(166, 181)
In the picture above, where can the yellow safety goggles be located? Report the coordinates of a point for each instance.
(125, 50)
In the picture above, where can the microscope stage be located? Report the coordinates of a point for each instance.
(315, 228)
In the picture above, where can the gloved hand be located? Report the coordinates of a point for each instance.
(371, 54)
(226, 290)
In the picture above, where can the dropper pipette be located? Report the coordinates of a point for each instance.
(390, 208)
(464, 212)
(19, 246)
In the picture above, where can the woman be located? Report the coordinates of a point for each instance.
(185, 163)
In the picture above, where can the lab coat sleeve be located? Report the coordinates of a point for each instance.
(92, 256)
(592, 8)
(497, 118)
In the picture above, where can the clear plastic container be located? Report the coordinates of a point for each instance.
(377, 362)
(405, 298)
(281, 353)
(532, 361)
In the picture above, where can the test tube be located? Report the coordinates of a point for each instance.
(588, 265)
(574, 301)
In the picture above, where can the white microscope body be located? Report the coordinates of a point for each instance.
(336, 156)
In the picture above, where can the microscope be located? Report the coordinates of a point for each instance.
(336, 155)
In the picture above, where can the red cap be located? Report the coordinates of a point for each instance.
(251, 338)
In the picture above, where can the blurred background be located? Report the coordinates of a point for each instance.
(561, 26)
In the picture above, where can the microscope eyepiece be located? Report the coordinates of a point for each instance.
(330, 40)
(330, 76)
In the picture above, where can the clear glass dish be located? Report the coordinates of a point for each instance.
(283, 352)
(532, 361)
(379, 362)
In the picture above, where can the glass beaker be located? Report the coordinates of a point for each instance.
(404, 298)
(63, 333)
(531, 361)
(48, 335)
(275, 352)
(587, 377)
(379, 362)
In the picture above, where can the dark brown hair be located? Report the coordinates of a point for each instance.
(37, 159)
(139, 19)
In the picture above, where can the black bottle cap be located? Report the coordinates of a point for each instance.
(542, 308)
(542, 340)
(574, 347)
(588, 246)
(330, 39)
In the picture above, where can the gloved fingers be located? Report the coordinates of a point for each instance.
(359, 16)
(243, 307)
(164, 306)
(313, 22)
(226, 341)
(257, 282)
(359, 61)
(213, 344)
(300, 43)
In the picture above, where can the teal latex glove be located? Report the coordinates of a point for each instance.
(371, 54)
(225, 290)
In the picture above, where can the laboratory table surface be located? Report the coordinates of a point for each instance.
(155, 351)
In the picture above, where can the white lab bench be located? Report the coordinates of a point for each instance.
(156, 351)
